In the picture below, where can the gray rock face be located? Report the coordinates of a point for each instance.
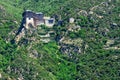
(68, 49)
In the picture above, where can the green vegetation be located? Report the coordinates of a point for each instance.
(99, 58)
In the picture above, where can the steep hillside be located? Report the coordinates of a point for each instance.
(87, 48)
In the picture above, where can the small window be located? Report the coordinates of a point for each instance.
(29, 18)
(51, 21)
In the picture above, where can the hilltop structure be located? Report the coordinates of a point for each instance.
(31, 18)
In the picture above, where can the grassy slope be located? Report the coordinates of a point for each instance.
(12, 11)
(51, 64)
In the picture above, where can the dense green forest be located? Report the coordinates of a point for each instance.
(91, 52)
